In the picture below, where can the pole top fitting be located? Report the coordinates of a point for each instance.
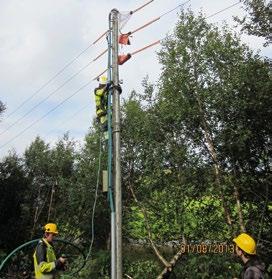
(114, 11)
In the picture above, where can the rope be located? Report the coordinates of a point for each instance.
(96, 195)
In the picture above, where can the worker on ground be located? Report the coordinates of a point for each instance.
(45, 262)
(101, 102)
(245, 249)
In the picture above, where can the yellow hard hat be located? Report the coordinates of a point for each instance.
(103, 80)
(51, 228)
(246, 243)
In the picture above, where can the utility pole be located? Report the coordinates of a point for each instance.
(116, 145)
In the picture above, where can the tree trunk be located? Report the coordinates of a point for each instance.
(51, 201)
(211, 150)
(165, 274)
(155, 249)
(239, 208)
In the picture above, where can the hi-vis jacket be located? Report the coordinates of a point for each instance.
(101, 100)
(45, 263)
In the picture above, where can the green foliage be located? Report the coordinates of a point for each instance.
(193, 145)
(201, 266)
(257, 22)
(13, 187)
(143, 269)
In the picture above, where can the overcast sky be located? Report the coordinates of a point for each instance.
(37, 38)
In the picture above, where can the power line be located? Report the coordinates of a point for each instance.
(70, 118)
(55, 75)
(157, 18)
(143, 26)
(168, 12)
(50, 111)
(98, 76)
(46, 98)
(50, 80)
(220, 11)
(141, 7)
(227, 8)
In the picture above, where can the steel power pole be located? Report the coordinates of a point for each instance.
(116, 145)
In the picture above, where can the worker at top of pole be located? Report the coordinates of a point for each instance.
(245, 249)
(101, 100)
(45, 262)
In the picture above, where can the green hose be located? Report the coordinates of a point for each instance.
(35, 241)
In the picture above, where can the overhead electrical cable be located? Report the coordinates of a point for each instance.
(131, 12)
(49, 81)
(69, 118)
(46, 114)
(65, 67)
(52, 93)
(227, 8)
(137, 51)
(141, 7)
(149, 22)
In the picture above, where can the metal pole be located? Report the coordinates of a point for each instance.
(112, 206)
(113, 246)
(116, 145)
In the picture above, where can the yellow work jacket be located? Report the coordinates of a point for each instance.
(44, 260)
(100, 97)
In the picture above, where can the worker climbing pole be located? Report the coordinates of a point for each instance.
(101, 102)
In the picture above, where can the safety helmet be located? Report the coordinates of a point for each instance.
(103, 80)
(246, 243)
(51, 228)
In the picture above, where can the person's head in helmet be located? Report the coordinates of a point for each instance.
(103, 81)
(245, 249)
(50, 231)
(245, 245)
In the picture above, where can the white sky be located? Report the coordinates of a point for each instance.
(37, 38)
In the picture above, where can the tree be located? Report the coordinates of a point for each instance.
(13, 210)
(257, 22)
(178, 163)
(2, 108)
